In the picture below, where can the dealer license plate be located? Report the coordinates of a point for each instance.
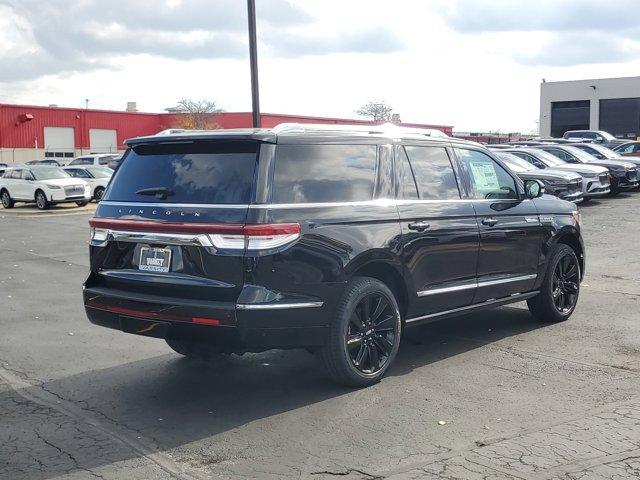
(155, 259)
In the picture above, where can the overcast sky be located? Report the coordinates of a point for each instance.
(474, 64)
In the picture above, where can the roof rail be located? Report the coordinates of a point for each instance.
(383, 129)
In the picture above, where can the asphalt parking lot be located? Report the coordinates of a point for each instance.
(494, 395)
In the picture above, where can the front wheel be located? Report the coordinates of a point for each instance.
(41, 201)
(560, 288)
(364, 336)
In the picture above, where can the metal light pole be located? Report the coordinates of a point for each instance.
(253, 59)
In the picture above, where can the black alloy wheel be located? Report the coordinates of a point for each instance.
(371, 333)
(364, 334)
(560, 288)
(98, 194)
(565, 283)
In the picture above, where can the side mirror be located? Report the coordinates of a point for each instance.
(533, 188)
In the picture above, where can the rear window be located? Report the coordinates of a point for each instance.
(324, 173)
(190, 172)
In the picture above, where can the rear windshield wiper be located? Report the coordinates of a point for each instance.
(160, 192)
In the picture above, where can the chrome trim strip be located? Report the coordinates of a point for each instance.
(488, 283)
(487, 303)
(277, 306)
(195, 239)
(436, 291)
(499, 281)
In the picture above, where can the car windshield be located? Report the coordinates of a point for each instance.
(100, 172)
(515, 163)
(581, 154)
(547, 158)
(606, 152)
(607, 136)
(49, 173)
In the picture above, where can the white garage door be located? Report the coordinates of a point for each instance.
(58, 141)
(102, 140)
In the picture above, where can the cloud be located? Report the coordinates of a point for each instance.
(580, 31)
(72, 35)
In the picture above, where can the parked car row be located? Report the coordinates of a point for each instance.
(601, 170)
(110, 160)
(46, 185)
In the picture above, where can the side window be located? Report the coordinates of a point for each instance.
(408, 188)
(433, 173)
(560, 154)
(104, 160)
(488, 180)
(529, 158)
(16, 174)
(75, 161)
(324, 173)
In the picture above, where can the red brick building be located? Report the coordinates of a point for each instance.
(29, 132)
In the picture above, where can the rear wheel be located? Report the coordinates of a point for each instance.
(560, 288)
(82, 204)
(7, 201)
(194, 350)
(41, 200)
(364, 335)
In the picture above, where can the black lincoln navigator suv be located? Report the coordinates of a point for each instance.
(326, 238)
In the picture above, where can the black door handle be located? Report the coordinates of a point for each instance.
(419, 226)
(489, 221)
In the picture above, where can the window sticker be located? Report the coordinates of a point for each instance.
(484, 177)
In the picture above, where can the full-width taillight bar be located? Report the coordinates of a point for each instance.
(219, 235)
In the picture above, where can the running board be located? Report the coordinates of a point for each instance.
(516, 297)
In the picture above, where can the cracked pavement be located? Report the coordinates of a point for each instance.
(521, 400)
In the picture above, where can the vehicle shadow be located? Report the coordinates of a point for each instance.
(175, 401)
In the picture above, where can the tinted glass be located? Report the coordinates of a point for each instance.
(78, 173)
(100, 172)
(433, 173)
(195, 172)
(49, 173)
(324, 173)
(561, 154)
(515, 163)
(408, 189)
(487, 179)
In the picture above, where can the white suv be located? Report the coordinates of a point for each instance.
(97, 177)
(43, 185)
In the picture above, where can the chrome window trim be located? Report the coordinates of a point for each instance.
(488, 283)
(277, 306)
(381, 202)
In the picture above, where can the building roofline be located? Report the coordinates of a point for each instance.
(336, 120)
(591, 80)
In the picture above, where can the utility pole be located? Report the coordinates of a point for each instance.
(253, 59)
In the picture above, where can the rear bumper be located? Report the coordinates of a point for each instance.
(226, 326)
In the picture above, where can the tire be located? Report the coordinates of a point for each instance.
(193, 350)
(558, 298)
(374, 341)
(7, 201)
(97, 195)
(41, 200)
(82, 204)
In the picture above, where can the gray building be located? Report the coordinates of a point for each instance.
(610, 104)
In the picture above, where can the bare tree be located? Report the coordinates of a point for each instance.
(197, 114)
(378, 111)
